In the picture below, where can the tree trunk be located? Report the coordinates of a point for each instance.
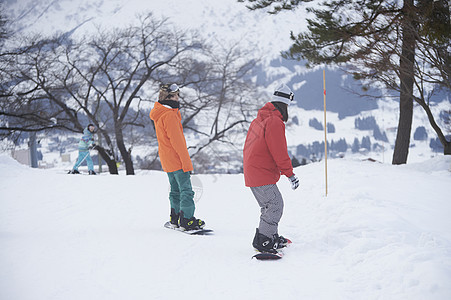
(406, 76)
(107, 154)
(126, 156)
(112, 167)
(446, 144)
(447, 148)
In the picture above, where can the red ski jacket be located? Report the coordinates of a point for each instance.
(265, 154)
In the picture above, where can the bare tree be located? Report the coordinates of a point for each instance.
(26, 104)
(107, 79)
(101, 79)
(218, 99)
(223, 102)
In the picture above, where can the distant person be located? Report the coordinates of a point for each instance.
(265, 158)
(86, 143)
(174, 158)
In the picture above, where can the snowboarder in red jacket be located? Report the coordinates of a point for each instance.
(265, 158)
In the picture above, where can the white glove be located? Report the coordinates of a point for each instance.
(294, 180)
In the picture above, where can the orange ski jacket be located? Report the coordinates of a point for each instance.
(171, 141)
(265, 154)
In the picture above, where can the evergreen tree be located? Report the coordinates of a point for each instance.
(315, 124)
(302, 150)
(420, 134)
(295, 162)
(341, 145)
(330, 128)
(435, 145)
(366, 143)
(379, 135)
(402, 44)
(368, 123)
(317, 148)
(355, 145)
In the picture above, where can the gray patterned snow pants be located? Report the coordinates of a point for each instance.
(271, 203)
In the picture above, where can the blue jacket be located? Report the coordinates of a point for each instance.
(86, 140)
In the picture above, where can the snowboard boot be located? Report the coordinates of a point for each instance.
(73, 172)
(174, 219)
(91, 172)
(282, 242)
(190, 224)
(263, 243)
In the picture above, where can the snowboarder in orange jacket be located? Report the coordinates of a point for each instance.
(175, 158)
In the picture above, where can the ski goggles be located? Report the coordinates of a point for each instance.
(284, 95)
(171, 88)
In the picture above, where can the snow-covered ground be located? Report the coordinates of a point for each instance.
(383, 232)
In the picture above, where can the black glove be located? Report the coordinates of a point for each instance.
(294, 180)
(93, 146)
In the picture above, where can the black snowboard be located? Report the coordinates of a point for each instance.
(268, 256)
(272, 256)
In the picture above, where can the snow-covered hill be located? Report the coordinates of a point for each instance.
(383, 232)
(55, 148)
(387, 119)
(225, 20)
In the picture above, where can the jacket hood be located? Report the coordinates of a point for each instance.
(269, 110)
(158, 111)
(86, 131)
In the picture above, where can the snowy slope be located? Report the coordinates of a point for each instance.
(224, 20)
(383, 232)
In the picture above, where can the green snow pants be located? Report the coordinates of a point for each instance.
(181, 195)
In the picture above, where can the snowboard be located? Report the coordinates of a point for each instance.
(268, 256)
(81, 173)
(202, 231)
(271, 256)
